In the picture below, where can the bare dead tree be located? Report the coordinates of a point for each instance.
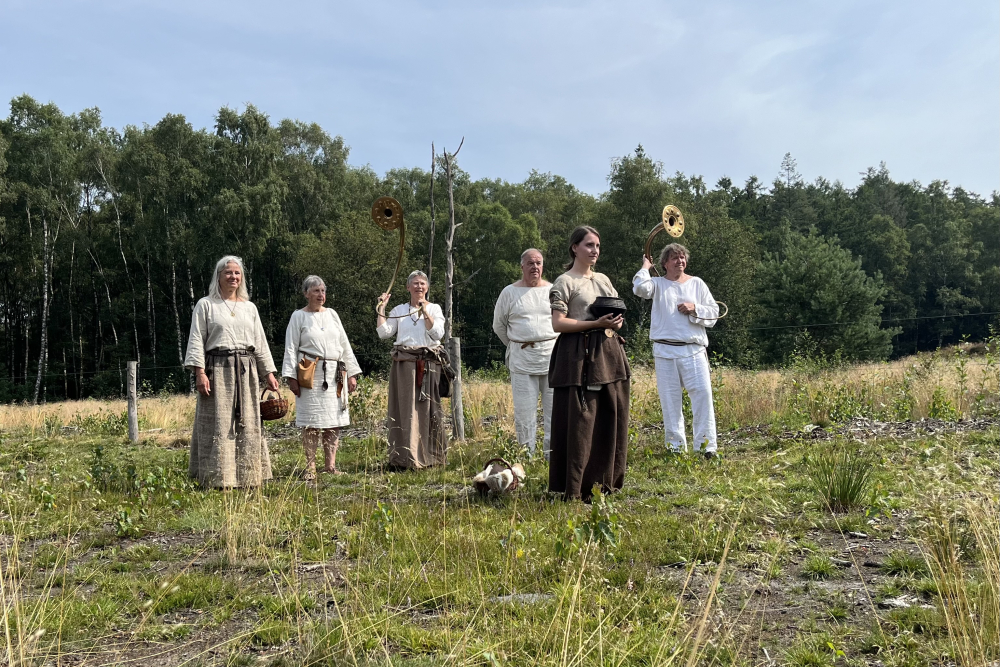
(449, 284)
(453, 344)
(430, 249)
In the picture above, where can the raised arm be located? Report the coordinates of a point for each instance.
(387, 327)
(642, 283)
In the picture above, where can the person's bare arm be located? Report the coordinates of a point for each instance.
(561, 323)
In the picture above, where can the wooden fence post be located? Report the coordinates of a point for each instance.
(133, 403)
(457, 414)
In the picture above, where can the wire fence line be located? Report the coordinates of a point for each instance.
(372, 355)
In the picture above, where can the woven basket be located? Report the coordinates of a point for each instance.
(483, 489)
(273, 408)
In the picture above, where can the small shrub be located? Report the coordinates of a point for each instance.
(941, 407)
(125, 524)
(903, 562)
(112, 471)
(106, 423)
(382, 519)
(272, 633)
(818, 567)
(917, 620)
(506, 446)
(600, 526)
(843, 475)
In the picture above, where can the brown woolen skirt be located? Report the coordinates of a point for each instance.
(589, 445)
(417, 437)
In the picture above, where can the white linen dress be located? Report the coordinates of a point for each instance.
(319, 334)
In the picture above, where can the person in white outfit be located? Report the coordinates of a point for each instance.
(522, 319)
(316, 333)
(682, 308)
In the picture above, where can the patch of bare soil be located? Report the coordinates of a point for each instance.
(862, 428)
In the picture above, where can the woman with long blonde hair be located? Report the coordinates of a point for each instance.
(228, 354)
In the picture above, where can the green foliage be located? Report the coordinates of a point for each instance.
(843, 474)
(818, 566)
(812, 280)
(941, 406)
(599, 527)
(505, 446)
(129, 223)
(382, 519)
(124, 523)
(904, 562)
(101, 423)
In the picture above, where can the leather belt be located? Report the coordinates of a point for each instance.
(531, 343)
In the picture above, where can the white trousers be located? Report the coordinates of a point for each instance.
(526, 389)
(693, 374)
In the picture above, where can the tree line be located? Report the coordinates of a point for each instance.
(108, 237)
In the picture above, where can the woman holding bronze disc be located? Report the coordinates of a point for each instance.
(590, 376)
(417, 437)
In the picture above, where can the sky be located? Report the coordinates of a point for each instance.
(709, 88)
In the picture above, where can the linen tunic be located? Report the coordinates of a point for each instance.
(410, 331)
(572, 295)
(319, 334)
(216, 324)
(228, 448)
(668, 323)
(523, 315)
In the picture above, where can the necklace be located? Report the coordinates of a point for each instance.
(232, 311)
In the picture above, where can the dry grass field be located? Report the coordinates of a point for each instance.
(851, 519)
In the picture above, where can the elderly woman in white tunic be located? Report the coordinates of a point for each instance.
(522, 319)
(682, 308)
(417, 437)
(316, 334)
(228, 354)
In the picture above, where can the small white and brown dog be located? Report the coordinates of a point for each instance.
(499, 478)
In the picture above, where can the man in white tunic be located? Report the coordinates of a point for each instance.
(683, 307)
(522, 319)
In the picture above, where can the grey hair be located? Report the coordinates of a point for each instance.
(310, 282)
(525, 254)
(674, 249)
(417, 274)
(220, 266)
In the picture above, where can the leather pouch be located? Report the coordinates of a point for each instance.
(305, 372)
